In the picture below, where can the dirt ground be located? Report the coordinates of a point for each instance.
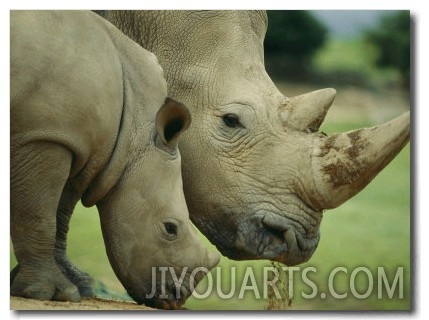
(86, 304)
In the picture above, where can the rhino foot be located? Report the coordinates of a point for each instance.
(79, 278)
(42, 285)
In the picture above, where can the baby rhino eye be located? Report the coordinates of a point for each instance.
(170, 228)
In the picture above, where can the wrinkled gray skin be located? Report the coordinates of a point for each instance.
(257, 173)
(90, 121)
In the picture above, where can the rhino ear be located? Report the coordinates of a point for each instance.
(172, 119)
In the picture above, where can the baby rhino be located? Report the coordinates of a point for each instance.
(90, 121)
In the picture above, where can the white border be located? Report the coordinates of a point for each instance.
(421, 21)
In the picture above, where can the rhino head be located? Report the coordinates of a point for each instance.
(145, 220)
(257, 172)
(269, 174)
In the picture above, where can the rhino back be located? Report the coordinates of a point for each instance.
(66, 82)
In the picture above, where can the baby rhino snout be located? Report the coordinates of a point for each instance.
(213, 259)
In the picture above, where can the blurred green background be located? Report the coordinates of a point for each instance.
(371, 230)
(365, 48)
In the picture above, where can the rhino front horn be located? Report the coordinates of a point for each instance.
(345, 163)
(307, 111)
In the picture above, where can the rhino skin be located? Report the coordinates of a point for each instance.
(257, 173)
(90, 121)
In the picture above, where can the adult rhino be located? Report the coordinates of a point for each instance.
(90, 121)
(257, 173)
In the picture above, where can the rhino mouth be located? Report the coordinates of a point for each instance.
(170, 295)
(274, 237)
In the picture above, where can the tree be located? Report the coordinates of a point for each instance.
(392, 39)
(292, 38)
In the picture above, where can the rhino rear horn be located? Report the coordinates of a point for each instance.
(345, 163)
(307, 111)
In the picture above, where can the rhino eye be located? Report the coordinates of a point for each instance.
(171, 228)
(231, 120)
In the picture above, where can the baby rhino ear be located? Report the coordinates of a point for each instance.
(172, 119)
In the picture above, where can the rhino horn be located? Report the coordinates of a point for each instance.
(345, 163)
(307, 111)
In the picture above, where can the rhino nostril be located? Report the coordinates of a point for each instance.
(278, 225)
(275, 232)
(281, 228)
(274, 237)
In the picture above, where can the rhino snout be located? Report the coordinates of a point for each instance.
(274, 237)
(213, 259)
(172, 286)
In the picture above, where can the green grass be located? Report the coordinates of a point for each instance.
(349, 55)
(371, 230)
(354, 59)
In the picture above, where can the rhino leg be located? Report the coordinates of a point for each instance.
(14, 272)
(39, 171)
(81, 279)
